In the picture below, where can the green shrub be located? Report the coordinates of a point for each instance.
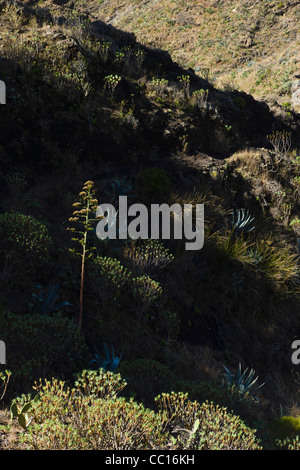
(200, 97)
(112, 424)
(108, 277)
(24, 236)
(111, 82)
(289, 444)
(40, 346)
(100, 383)
(89, 417)
(146, 378)
(285, 427)
(202, 391)
(146, 291)
(154, 183)
(217, 429)
(56, 397)
(147, 255)
(53, 435)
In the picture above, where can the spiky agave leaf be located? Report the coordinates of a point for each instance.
(46, 304)
(109, 363)
(241, 220)
(242, 382)
(229, 376)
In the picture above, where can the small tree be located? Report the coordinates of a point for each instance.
(86, 205)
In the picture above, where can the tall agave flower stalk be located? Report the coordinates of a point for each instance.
(82, 215)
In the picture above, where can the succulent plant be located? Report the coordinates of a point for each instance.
(22, 413)
(120, 188)
(147, 255)
(241, 220)
(45, 304)
(243, 383)
(107, 363)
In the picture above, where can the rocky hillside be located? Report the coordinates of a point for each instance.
(162, 102)
(249, 45)
(100, 105)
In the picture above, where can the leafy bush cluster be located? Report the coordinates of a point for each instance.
(91, 415)
(154, 182)
(146, 378)
(109, 276)
(217, 429)
(147, 256)
(24, 235)
(40, 346)
(146, 292)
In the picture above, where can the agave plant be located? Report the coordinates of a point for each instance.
(46, 303)
(241, 221)
(120, 188)
(255, 255)
(108, 363)
(243, 382)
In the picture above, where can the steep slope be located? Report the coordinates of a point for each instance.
(249, 45)
(86, 101)
(159, 100)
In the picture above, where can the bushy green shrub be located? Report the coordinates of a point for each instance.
(147, 256)
(108, 276)
(146, 378)
(112, 424)
(145, 291)
(100, 383)
(289, 444)
(217, 429)
(90, 416)
(55, 397)
(199, 98)
(24, 237)
(40, 346)
(154, 183)
(202, 391)
(285, 427)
